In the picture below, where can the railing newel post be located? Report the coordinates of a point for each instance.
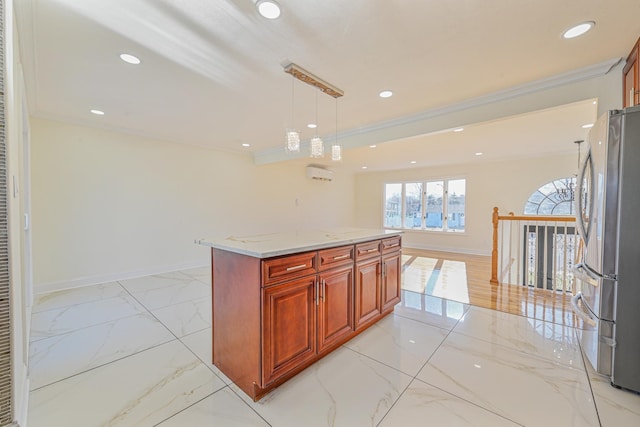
(494, 250)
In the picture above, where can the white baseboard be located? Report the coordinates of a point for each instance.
(465, 251)
(44, 288)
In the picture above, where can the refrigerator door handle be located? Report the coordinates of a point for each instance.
(583, 229)
(582, 314)
(588, 276)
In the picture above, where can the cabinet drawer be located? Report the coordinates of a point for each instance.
(276, 270)
(391, 245)
(335, 257)
(368, 249)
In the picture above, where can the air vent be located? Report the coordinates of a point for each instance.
(320, 174)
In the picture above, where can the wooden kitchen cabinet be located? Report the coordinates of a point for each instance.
(631, 78)
(368, 304)
(289, 326)
(273, 317)
(377, 279)
(335, 307)
(391, 267)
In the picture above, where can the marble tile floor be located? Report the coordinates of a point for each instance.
(137, 353)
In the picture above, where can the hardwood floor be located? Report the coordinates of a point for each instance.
(465, 278)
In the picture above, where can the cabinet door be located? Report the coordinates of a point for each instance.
(629, 85)
(335, 308)
(391, 267)
(630, 79)
(288, 327)
(368, 306)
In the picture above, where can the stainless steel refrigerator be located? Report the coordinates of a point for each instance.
(608, 273)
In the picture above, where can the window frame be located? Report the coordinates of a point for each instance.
(445, 205)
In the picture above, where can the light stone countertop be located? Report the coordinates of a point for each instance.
(276, 244)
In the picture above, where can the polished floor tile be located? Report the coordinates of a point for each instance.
(106, 355)
(73, 317)
(201, 273)
(200, 344)
(186, 317)
(343, 389)
(428, 309)
(67, 297)
(421, 404)
(55, 358)
(165, 290)
(615, 407)
(529, 390)
(140, 390)
(223, 408)
(401, 343)
(553, 341)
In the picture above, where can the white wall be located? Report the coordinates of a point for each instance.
(108, 206)
(506, 184)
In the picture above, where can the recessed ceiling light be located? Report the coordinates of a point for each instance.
(578, 30)
(312, 125)
(130, 58)
(458, 130)
(386, 94)
(413, 162)
(479, 153)
(364, 167)
(587, 126)
(595, 102)
(246, 145)
(98, 112)
(373, 146)
(270, 9)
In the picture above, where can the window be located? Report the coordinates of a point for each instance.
(553, 198)
(393, 200)
(437, 205)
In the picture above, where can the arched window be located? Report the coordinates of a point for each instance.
(553, 198)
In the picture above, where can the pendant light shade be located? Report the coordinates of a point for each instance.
(336, 153)
(317, 147)
(336, 149)
(293, 141)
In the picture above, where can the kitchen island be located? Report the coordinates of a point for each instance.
(282, 301)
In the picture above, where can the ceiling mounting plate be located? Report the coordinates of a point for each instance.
(305, 76)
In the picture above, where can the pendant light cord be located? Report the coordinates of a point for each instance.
(316, 112)
(336, 121)
(293, 125)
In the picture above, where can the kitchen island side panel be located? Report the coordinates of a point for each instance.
(235, 292)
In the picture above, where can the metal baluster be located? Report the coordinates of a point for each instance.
(564, 260)
(518, 247)
(501, 254)
(554, 254)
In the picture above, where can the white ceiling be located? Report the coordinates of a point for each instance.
(212, 70)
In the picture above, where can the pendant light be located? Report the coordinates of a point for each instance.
(292, 142)
(317, 145)
(336, 149)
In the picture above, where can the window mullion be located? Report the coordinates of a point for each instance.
(403, 206)
(445, 205)
(423, 222)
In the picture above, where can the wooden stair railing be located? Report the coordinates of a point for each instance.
(496, 218)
